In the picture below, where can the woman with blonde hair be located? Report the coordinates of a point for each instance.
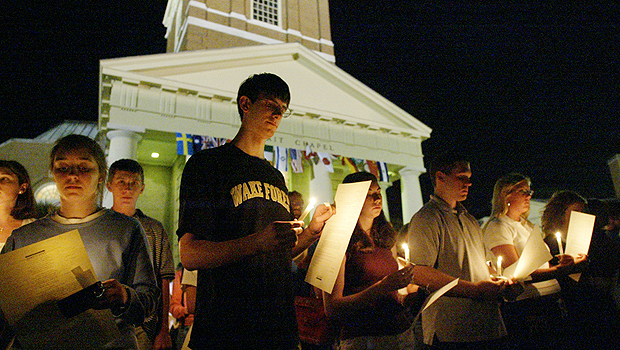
(505, 235)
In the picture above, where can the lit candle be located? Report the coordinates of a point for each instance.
(499, 265)
(307, 210)
(558, 236)
(406, 249)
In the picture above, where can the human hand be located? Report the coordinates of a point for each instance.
(279, 235)
(322, 213)
(397, 280)
(490, 289)
(415, 298)
(114, 295)
(512, 289)
(565, 260)
(581, 258)
(162, 340)
(567, 264)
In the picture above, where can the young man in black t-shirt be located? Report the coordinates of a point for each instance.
(236, 228)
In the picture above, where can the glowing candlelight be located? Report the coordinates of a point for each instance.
(499, 265)
(307, 210)
(406, 249)
(558, 236)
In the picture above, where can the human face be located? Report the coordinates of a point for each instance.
(264, 115)
(374, 203)
(454, 186)
(518, 200)
(77, 176)
(125, 187)
(297, 205)
(9, 187)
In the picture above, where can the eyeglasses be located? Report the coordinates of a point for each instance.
(526, 193)
(276, 109)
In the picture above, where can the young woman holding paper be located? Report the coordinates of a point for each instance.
(115, 243)
(505, 236)
(365, 302)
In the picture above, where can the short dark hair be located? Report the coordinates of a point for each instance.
(292, 194)
(359, 177)
(265, 85)
(25, 204)
(75, 142)
(446, 162)
(129, 165)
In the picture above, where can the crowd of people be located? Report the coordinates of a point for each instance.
(244, 254)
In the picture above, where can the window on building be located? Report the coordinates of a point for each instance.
(47, 194)
(266, 11)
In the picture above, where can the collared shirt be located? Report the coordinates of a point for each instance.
(450, 240)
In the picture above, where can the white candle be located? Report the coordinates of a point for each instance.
(558, 236)
(307, 210)
(499, 265)
(406, 249)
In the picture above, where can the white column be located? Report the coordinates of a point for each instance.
(386, 210)
(410, 192)
(321, 185)
(123, 145)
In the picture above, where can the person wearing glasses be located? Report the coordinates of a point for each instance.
(236, 228)
(447, 241)
(535, 318)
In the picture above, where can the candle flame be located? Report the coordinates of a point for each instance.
(311, 204)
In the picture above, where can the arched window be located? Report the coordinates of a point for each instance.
(47, 194)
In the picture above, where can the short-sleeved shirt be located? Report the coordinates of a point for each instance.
(450, 240)
(227, 194)
(504, 230)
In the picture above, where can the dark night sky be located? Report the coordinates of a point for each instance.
(520, 87)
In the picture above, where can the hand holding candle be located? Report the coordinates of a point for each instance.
(558, 236)
(307, 210)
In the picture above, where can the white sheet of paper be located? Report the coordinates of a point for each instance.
(438, 293)
(534, 255)
(34, 278)
(337, 232)
(579, 234)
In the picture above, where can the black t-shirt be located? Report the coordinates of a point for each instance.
(227, 194)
